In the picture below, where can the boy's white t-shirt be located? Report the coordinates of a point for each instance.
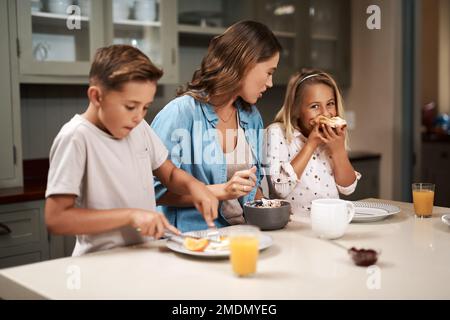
(105, 173)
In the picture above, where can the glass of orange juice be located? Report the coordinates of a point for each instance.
(244, 247)
(423, 198)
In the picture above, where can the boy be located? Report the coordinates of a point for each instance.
(100, 181)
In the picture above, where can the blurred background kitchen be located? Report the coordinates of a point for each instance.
(395, 81)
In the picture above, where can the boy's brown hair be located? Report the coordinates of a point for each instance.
(115, 65)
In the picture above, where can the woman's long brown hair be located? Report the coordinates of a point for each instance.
(230, 55)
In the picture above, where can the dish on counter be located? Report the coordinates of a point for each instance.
(214, 249)
(366, 211)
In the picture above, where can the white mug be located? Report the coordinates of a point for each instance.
(330, 217)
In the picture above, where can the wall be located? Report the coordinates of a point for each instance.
(375, 94)
(444, 56)
(430, 52)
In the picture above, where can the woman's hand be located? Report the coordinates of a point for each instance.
(334, 138)
(205, 202)
(151, 224)
(241, 183)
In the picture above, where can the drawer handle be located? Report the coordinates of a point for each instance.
(4, 229)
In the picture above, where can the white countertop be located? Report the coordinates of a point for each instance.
(414, 264)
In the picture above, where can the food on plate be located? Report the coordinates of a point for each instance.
(203, 244)
(195, 244)
(223, 244)
(333, 122)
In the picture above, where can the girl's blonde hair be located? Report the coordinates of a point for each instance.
(288, 116)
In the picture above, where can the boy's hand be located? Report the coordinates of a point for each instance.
(334, 138)
(205, 202)
(241, 183)
(150, 224)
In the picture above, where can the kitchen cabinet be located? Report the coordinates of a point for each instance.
(198, 22)
(368, 164)
(314, 33)
(23, 235)
(57, 39)
(436, 169)
(10, 138)
(148, 25)
(56, 42)
(329, 38)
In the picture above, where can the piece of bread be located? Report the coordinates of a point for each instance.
(334, 122)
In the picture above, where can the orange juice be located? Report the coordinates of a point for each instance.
(244, 254)
(423, 202)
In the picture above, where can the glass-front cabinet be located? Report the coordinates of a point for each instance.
(313, 33)
(58, 37)
(329, 38)
(199, 21)
(148, 25)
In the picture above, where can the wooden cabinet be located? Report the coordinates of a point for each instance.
(10, 138)
(23, 235)
(436, 169)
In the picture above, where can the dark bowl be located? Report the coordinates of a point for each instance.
(267, 218)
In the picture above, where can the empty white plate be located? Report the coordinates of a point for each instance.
(366, 211)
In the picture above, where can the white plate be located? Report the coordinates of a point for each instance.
(265, 241)
(373, 211)
(446, 219)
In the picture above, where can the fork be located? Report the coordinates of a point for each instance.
(212, 234)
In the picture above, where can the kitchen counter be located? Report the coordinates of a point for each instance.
(363, 155)
(34, 183)
(414, 264)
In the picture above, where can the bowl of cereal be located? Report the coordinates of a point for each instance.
(267, 214)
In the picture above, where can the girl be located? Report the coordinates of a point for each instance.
(308, 160)
(213, 129)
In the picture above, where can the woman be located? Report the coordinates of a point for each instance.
(213, 130)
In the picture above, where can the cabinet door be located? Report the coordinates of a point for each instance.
(148, 25)
(199, 21)
(24, 235)
(289, 22)
(57, 37)
(6, 128)
(436, 169)
(10, 133)
(329, 38)
(369, 185)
